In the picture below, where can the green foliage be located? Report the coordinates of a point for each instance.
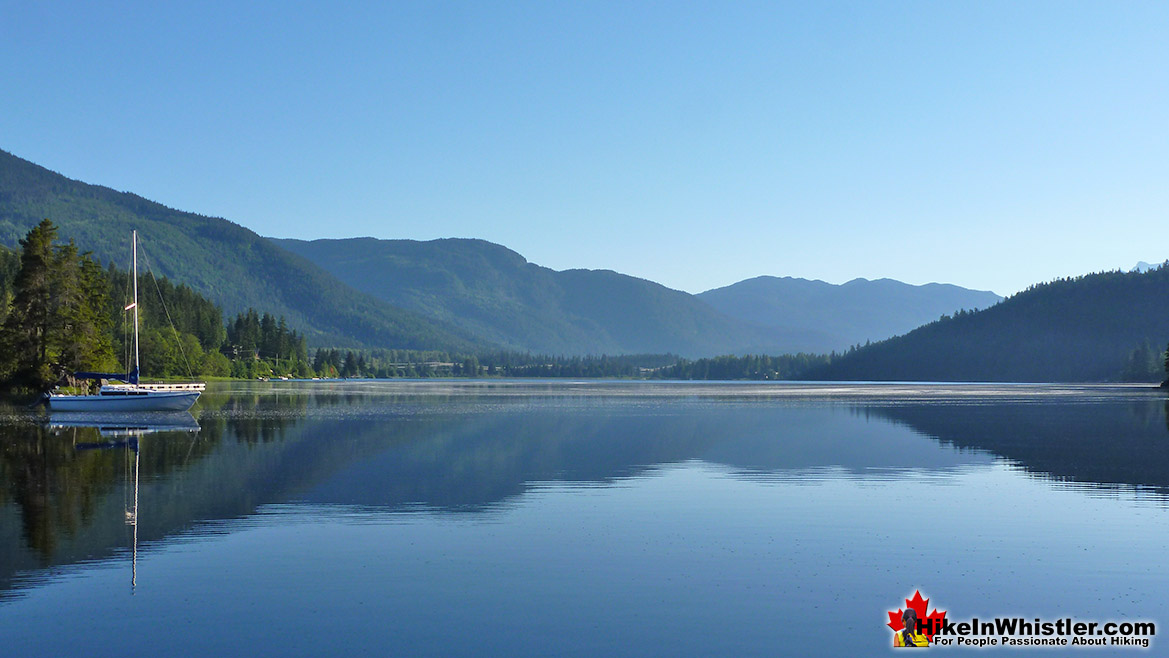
(9, 266)
(25, 335)
(56, 321)
(81, 335)
(163, 304)
(215, 364)
(264, 337)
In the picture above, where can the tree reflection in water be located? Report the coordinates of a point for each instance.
(60, 505)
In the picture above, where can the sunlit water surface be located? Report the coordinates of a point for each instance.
(577, 519)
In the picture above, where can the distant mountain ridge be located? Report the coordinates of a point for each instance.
(494, 292)
(848, 314)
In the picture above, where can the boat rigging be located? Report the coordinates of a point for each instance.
(131, 395)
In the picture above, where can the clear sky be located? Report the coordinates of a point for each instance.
(988, 144)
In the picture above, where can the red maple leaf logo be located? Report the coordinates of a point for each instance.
(919, 606)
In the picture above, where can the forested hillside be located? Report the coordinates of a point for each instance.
(1099, 327)
(230, 264)
(63, 313)
(495, 293)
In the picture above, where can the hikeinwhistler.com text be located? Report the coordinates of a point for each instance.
(1020, 632)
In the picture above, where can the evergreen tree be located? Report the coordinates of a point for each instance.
(9, 266)
(80, 336)
(350, 367)
(283, 340)
(25, 335)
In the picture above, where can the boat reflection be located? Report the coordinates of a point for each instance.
(123, 431)
(125, 424)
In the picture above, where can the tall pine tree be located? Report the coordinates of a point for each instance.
(57, 322)
(25, 335)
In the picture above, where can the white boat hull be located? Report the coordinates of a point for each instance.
(142, 400)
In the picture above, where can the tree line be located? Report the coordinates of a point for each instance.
(748, 367)
(389, 364)
(63, 313)
(386, 364)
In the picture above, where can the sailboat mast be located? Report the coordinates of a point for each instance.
(134, 250)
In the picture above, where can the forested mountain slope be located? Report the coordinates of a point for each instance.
(1098, 327)
(230, 264)
(495, 293)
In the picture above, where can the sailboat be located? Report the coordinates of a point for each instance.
(131, 395)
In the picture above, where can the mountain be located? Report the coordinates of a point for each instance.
(456, 294)
(493, 292)
(1099, 327)
(847, 314)
(228, 263)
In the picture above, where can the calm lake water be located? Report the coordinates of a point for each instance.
(578, 519)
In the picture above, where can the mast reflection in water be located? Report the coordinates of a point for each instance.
(122, 431)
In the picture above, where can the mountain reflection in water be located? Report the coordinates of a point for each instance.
(462, 453)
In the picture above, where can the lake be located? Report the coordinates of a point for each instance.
(517, 518)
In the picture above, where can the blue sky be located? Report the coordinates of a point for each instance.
(988, 144)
